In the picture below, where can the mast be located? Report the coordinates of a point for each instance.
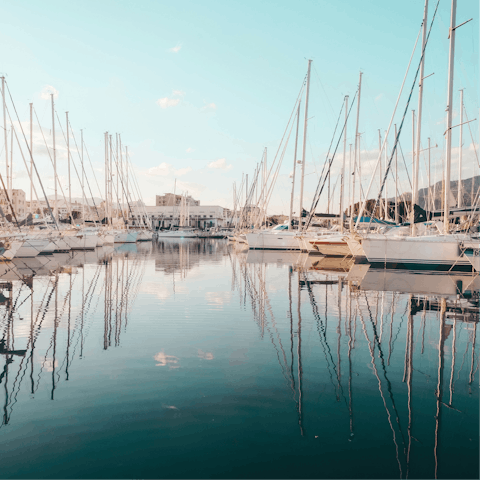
(5, 126)
(304, 147)
(290, 219)
(397, 219)
(460, 196)
(83, 176)
(380, 169)
(106, 176)
(55, 208)
(31, 158)
(68, 155)
(386, 216)
(355, 154)
(448, 153)
(414, 189)
(10, 180)
(416, 150)
(342, 185)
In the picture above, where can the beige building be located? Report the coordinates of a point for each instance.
(169, 199)
(200, 216)
(18, 202)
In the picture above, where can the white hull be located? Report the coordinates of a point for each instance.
(144, 236)
(429, 251)
(31, 248)
(333, 245)
(11, 248)
(125, 237)
(270, 240)
(177, 234)
(81, 241)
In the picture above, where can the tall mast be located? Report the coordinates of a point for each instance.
(304, 147)
(31, 158)
(342, 185)
(397, 219)
(380, 169)
(10, 180)
(126, 176)
(350, 184)
(83, 180)
(355, 153)
(5, 126)
(118, 174)
(55, 208)
(68, 155)
(412, 213)
(460, 193)
(416, 151)
(121, 170)
(290, 226)
(106, 176)
(448, 153)
(386, 216)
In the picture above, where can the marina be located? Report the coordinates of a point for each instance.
(253, 253)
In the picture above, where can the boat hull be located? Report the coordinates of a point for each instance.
(273, 241)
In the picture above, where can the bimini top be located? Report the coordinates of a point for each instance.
(373, 220)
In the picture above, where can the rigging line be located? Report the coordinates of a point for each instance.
(83, 168)
(285, 131)
(56, 180)
(377, 202)
(331, 143)
(31, 156)
(91, 165)
(319, 189)
(471, 136)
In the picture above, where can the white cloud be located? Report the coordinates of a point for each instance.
(210, 106)
(190, 150)
(47, 91)
(168, 102)
(165, 169)
(175, 49)
(221, 164)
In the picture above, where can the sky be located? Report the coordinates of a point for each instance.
(197, 90)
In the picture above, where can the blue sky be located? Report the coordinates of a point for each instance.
(196, 84)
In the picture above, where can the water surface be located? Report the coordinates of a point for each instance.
(190, 359)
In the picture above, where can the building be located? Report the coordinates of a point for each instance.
(199, 216)
(170, 199)
(18, 201)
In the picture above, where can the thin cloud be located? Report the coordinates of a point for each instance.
(190, 150)
(47, 91)
(210, 106)
(220, 164)
(166, 169)
(166, 102)
(175, 49)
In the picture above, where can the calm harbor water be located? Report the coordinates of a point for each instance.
(190, 359)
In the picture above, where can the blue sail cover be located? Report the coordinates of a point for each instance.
(373, 220)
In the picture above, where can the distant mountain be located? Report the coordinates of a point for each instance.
(438, 190)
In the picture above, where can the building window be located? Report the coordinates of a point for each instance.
(211, 216)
